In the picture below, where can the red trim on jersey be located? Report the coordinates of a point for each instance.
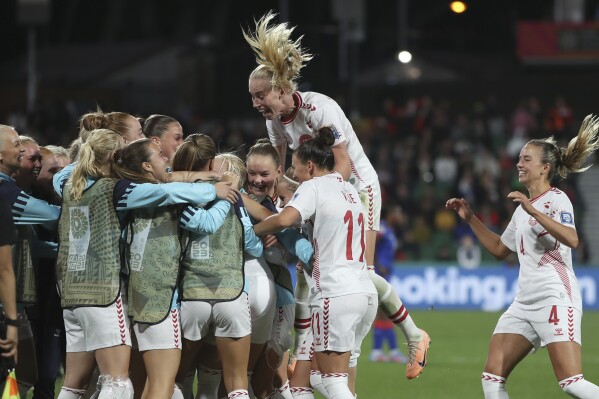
(298, 102)
(316, 266)
(554, 258)
(353, 169)
(543, 193)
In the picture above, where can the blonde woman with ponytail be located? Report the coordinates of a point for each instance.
(89, 263)
(547, 310)
(292, 117)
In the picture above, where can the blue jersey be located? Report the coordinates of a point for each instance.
(27, 209)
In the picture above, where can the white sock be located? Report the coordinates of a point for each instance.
(177, 393)
(117, 388)
(494, 386)
(208, 382)
(70, 393)
(393, 307)
(578, 387)
(283, 392)
(302, 392)
(336, 386)
(316, 382)
(238, 394)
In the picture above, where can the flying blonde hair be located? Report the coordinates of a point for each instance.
(279, 58)
(570, 159)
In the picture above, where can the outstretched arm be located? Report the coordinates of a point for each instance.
(491, 241)
(277, 222)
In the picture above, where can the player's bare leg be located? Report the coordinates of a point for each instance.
(161, 366)
(418, 340)
(505, 352)
(334, 367)
(566, 358)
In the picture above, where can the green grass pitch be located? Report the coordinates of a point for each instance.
(457, 356)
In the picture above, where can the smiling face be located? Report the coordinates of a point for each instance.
(530, 168)
(31, 166)
(50, 167)
(262, 175)
(264, 99)
(11, 151)
(157, 163)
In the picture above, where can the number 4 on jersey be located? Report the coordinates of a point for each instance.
(349, 220)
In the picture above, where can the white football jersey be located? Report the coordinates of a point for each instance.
(332, 209)
(546, 274)
(314, 111)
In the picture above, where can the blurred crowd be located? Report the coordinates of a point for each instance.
(425, 151)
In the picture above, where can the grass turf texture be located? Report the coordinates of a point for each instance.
(456, 359)
(457, 356)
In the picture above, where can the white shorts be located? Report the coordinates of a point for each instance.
(372, 200)
(223, 319)
(542, 326)
(97, 327)
(263, 301)
(164, 335)
(281, 339)
(340, 324)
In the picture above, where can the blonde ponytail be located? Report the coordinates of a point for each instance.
(93, 155)
(279, 58)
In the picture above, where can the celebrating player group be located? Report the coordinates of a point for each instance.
(173, 262)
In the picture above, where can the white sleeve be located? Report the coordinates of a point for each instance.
(563, 212)
(331, 115)
(276, 137)
(508, 238)
(304, 200)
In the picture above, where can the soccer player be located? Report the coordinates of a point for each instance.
(292, 117)
(548, 305)
(214, 297)
(164, 131)
(89, 266)
(343, 300)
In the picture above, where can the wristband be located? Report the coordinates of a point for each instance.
(11, 322)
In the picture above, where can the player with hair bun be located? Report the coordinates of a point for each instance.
(292, 117)
(547, 310)
(343, 300)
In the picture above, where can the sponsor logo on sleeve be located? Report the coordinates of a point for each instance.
(566, 218)
(336, 133)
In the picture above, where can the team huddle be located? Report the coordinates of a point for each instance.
(172, 263)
